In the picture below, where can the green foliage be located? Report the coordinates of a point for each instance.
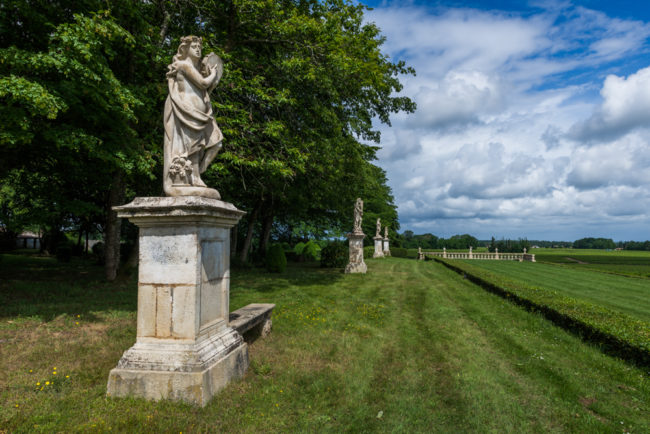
(82, 86)
(509, 246)
(594, 243)
(629, 337)
(398, 252)
(368, 251)
(276, 262)
(298, 248)
(98, 252)
(334, 255)
(431, 242)
(64, 252)
(311, 251)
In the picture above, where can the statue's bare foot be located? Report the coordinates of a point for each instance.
(198, 182)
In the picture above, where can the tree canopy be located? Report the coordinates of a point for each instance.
(82, 86)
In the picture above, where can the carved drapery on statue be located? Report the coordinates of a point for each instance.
(378, 233)
(192, 137)
(358, 216)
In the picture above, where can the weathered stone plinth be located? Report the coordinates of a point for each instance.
(356, 263)
(379, 248)
(184, 348)
(386, 247)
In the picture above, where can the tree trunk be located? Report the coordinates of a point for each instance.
(266, 232)
(113, 226)
(243, 254)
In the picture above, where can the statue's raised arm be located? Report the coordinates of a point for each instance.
(192, 137)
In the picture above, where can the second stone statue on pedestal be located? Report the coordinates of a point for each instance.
(379, 242)
(356, 263)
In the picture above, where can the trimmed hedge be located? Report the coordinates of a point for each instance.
(276, 262)
(334, 255)
(368, 251)
(398, 252)
(309, 251)
(412, 253)
(618, 333)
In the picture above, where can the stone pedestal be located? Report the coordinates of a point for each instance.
(386, 247)
(379, 247)
(356, 263)
(184, 348)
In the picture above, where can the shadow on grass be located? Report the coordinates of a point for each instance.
(299, 274)
(41, 287)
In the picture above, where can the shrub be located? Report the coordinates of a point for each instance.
(334, 255)
(412, 253)
(398, 252)
(98, 252)
(276, 262)
(63, 252)
(311, 252)
(298, 248)
(368, 251)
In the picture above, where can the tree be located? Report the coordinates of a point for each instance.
(82, 88)
(74, 86)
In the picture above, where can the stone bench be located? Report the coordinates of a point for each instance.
(252, 321)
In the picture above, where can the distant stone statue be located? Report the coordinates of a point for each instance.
(358, 216)
(192, 137)
(385, 231)
(378, 234)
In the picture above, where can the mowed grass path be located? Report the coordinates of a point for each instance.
(409, 347)
(629, 295)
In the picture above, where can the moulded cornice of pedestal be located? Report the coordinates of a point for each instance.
(151, 211)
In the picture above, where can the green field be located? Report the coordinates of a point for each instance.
(409, 347)
(627, 262)
(623, 294)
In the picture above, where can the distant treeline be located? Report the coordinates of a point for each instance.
(410, 240)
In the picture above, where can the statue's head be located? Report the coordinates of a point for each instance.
(190, 47)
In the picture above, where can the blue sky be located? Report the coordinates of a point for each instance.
(533, 118)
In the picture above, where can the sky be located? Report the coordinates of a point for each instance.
(533, 118)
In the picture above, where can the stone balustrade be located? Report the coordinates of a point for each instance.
(497, 256)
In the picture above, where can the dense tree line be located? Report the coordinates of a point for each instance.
(82, 87)
(634, 245)
(594, 243)
(508, 245)
(429, 241)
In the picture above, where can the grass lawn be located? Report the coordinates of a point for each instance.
(624, 294)
(409, 347)
(627, 262)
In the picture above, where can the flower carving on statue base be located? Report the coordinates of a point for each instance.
(180, 170)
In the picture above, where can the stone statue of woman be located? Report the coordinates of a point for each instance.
(358, 215)
(192, 137)
(378, 234)
(385, 231)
